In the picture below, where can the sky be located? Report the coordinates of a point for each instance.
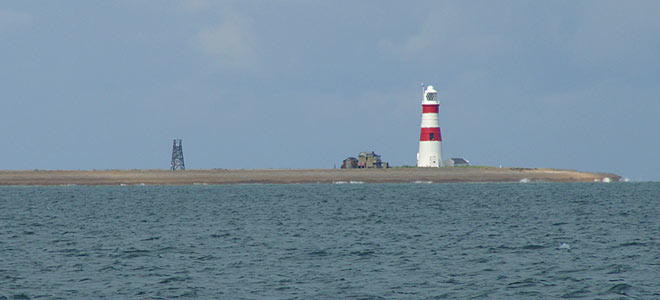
(304, 84)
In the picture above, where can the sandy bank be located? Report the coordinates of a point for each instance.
(164, 177)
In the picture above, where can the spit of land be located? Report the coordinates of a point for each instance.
(284, 176)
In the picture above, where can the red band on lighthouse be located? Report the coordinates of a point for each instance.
(430, 134)
(430, 108)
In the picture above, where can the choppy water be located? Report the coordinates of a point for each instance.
(370, 241)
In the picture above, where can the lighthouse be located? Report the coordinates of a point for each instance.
(430, 140)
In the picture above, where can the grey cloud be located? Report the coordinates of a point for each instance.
(232, 44)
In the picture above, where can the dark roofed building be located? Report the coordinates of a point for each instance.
(459, 162)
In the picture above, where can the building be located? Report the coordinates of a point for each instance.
(458, 162)
(430, 139)
(350, 163)
(370, 160)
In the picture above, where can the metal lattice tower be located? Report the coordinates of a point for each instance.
(177, 156)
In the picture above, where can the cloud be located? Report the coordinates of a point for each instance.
(445, 30)
(231, 45)
(616, 36)
(590, 34)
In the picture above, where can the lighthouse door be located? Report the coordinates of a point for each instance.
(434, 159)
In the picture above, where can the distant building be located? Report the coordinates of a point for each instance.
(370, 160)
(349, 163)
(458, 162)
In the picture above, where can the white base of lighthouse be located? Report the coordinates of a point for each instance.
(430, 154)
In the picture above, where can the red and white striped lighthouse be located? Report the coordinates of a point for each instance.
(430, 140)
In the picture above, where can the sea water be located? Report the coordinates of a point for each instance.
(368, 241)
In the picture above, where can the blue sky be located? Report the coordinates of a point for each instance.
(304, 84)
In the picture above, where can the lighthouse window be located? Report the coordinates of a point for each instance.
(430, 96)
(432, 136)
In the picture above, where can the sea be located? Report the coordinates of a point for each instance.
(332, 241)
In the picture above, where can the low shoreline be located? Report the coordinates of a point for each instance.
(285, 176)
